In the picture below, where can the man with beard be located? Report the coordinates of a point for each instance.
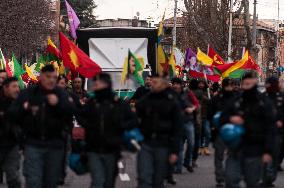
(9, 148)
(256, 114)
(216, 105)
(143, 90)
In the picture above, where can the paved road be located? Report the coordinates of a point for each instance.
(203, 177)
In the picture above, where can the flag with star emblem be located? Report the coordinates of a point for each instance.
(76, 60)
(217, 59)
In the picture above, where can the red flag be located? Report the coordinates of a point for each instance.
(52, 49)
(8, 69)
(76, 60)
(217, 59)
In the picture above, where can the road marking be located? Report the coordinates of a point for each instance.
(120, 165)
(124, 177)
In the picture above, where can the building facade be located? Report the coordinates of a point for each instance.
(135, 22)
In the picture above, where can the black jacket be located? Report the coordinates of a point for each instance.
(9, 132)
(259, 115)
(140, 92)
(42, 124)
(217, 104)
(277, 99)
(160, 120)
(185, 102)
(105, 119)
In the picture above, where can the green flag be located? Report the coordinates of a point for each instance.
(18, 70)
(135, 68)
(40, 62)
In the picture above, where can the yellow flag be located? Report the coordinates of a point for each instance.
(172, 64)
(162, 59)
(125, 69)
(203, 58)
(61, 69)
(30, 73)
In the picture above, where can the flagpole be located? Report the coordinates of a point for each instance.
(175, 26)
(205, 76)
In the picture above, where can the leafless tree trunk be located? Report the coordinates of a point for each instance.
(25, 25)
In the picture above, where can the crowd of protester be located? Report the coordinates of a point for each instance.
(46, 122)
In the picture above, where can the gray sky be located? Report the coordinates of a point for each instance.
(155, 8)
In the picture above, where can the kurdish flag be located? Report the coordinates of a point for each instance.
(237, 69)
(133, 66)
(76, 60)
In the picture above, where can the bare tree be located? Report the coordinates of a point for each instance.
(25, 25)
(207, 22)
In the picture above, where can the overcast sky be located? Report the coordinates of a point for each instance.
(155, 8)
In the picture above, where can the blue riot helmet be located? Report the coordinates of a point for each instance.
(231, 134)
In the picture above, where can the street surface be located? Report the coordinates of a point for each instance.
(203, 176)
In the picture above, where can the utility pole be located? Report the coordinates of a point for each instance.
(230, 32)
(175, 25)
(277, 51)
(254, 26)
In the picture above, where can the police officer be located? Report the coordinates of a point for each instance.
(161, 125)
(105, 118)
(3, 77)
(273, 92)
(255, 113)
(216, 105)
(9, 148)
(40, 110)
